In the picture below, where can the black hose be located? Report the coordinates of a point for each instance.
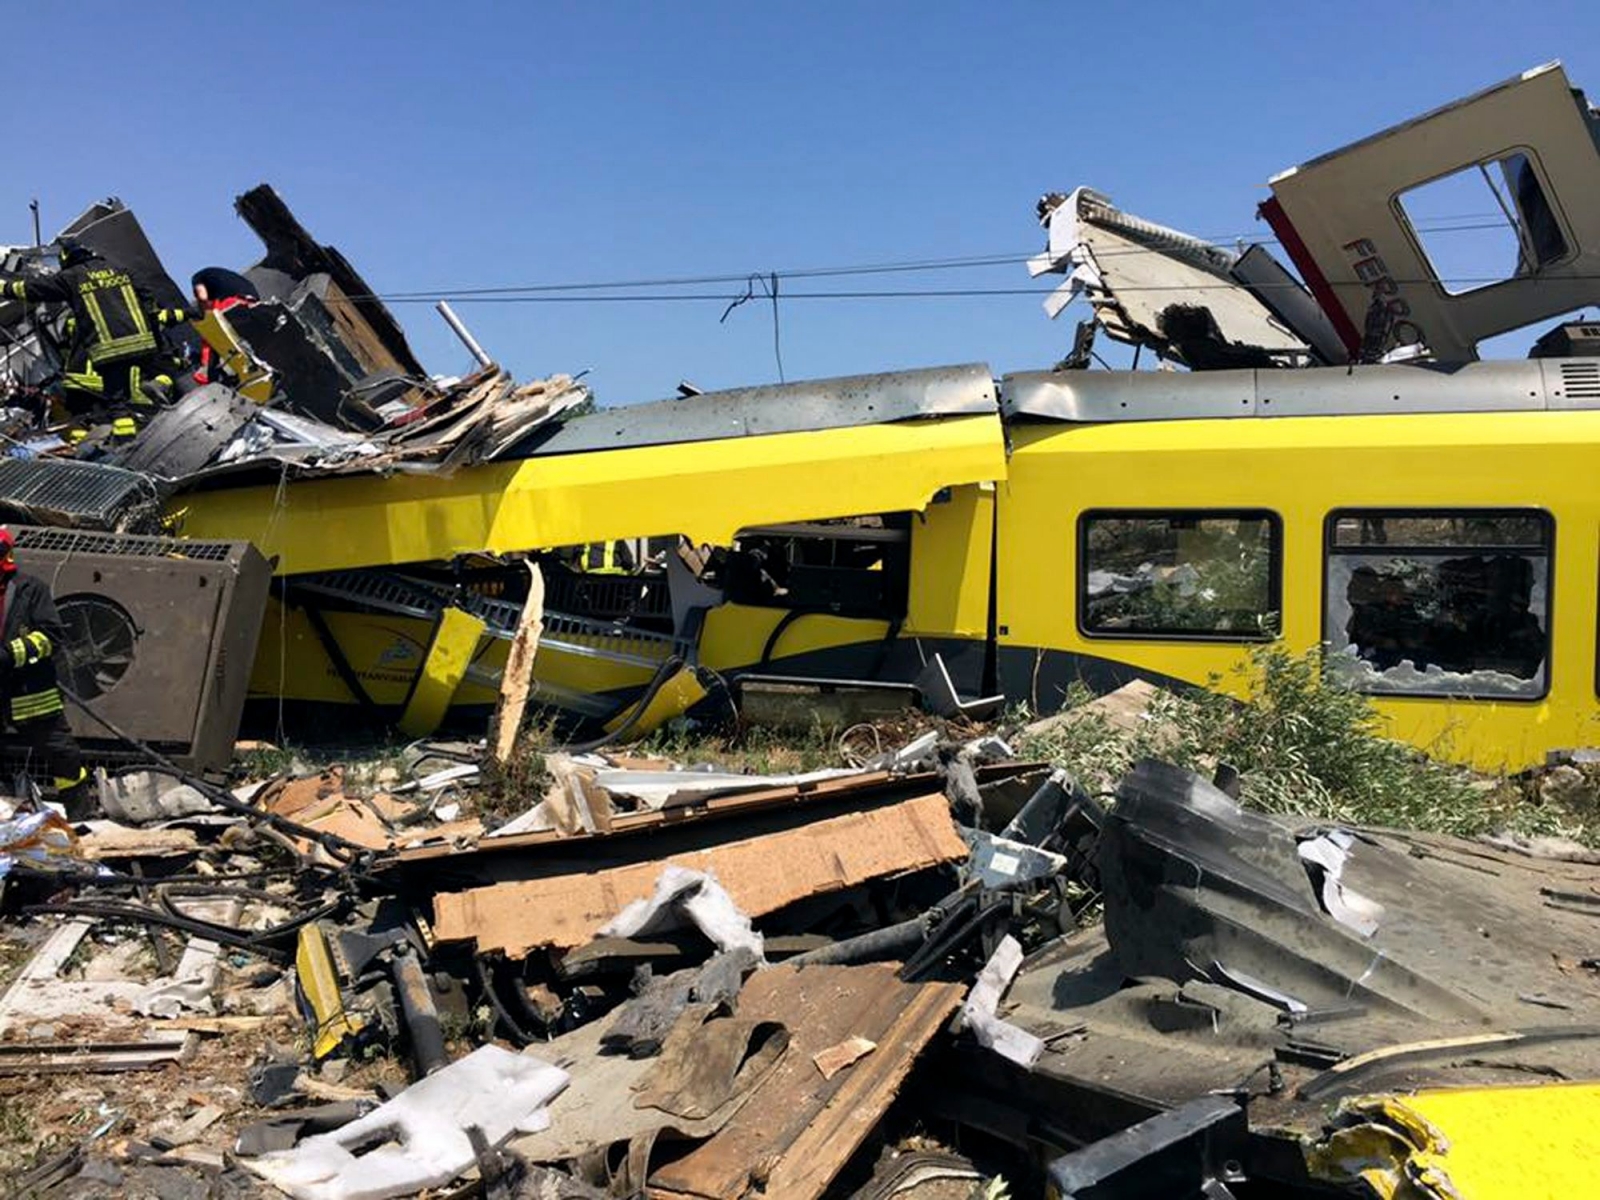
(657, 681)
(518, 1034)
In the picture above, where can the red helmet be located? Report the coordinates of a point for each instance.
(8, 561)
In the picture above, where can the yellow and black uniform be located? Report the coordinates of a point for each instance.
(113, 326)
(30, 634)
(607, 558)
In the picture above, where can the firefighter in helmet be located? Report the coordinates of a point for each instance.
(115, 359)
(31, 635)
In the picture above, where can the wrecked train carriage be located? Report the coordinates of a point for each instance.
(1404, 516)
(396, 588)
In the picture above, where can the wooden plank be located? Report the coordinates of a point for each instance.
(798, 1129)
(761, 874)
(717, 807)
(516, 681)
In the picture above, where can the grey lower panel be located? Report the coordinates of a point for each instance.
(1041, 678)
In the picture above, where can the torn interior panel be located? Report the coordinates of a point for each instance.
(293, 256)
(1153, 286)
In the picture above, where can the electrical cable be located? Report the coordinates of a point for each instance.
(664, 672)
(351, 853)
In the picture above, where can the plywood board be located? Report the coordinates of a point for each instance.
(762, 875)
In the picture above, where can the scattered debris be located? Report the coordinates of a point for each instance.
(752, 885)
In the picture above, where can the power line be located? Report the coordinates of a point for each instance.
(909, 266)
(1466, 282)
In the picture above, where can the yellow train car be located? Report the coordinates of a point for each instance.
(1437, 530)
(1434, 528)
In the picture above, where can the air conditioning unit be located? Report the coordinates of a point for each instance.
(161, 634)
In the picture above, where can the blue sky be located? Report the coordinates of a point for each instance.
(448, 146)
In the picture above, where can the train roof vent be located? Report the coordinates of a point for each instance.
(1581, 380)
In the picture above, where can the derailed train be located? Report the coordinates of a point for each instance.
(1333, 467)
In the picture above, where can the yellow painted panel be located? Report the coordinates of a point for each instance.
(706, 490)
(1539, 1142)
(950, 551)
(455, 640)
(735, 633)
(1302, 469)
(1515, 1143)
(674, 698)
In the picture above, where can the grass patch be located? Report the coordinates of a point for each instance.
(1304, 744)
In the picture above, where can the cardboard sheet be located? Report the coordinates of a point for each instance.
(761, 874)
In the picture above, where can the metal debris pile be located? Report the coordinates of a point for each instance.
(940, 972)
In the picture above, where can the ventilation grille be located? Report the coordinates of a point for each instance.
(74, 541)
(79, 492)
(1581, 380)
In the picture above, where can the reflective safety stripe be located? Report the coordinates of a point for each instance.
(19, 652)
(85, 381)
(41, 644)
(135, 386)
(124, 427)
(17, 289)
(123, 347)
(91, 304)
(65, 782)
(36, 704)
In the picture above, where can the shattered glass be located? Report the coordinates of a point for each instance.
(1440, 604)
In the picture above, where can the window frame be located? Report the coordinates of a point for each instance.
(1548, 518)
(1420, 246)
(1224, 637)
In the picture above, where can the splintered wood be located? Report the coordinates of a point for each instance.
(762, 875)
(799, 1129)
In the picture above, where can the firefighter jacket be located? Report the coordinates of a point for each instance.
(113, 319)
(31, 633)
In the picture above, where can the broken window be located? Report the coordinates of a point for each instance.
(1485, 224)
(854, 567)
(1179, 574)
(1447, 603)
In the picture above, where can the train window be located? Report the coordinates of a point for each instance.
(1440, 603)
(1193, 575)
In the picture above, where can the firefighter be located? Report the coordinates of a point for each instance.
(114, 358)
(31, 634)
(608, 558)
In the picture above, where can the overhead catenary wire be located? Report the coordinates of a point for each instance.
(741, 279)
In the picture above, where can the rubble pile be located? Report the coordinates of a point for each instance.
(943, 971)
(1160, 943)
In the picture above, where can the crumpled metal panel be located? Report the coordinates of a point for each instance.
(783, 408)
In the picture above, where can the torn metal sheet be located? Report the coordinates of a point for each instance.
(979, 1012)
(671, 789)
(809, 405)
(1153, 286)
(292, 254)
(828, 855)
(1360, 228)
(682, 896)
(1217, 955)
(1328, 852)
